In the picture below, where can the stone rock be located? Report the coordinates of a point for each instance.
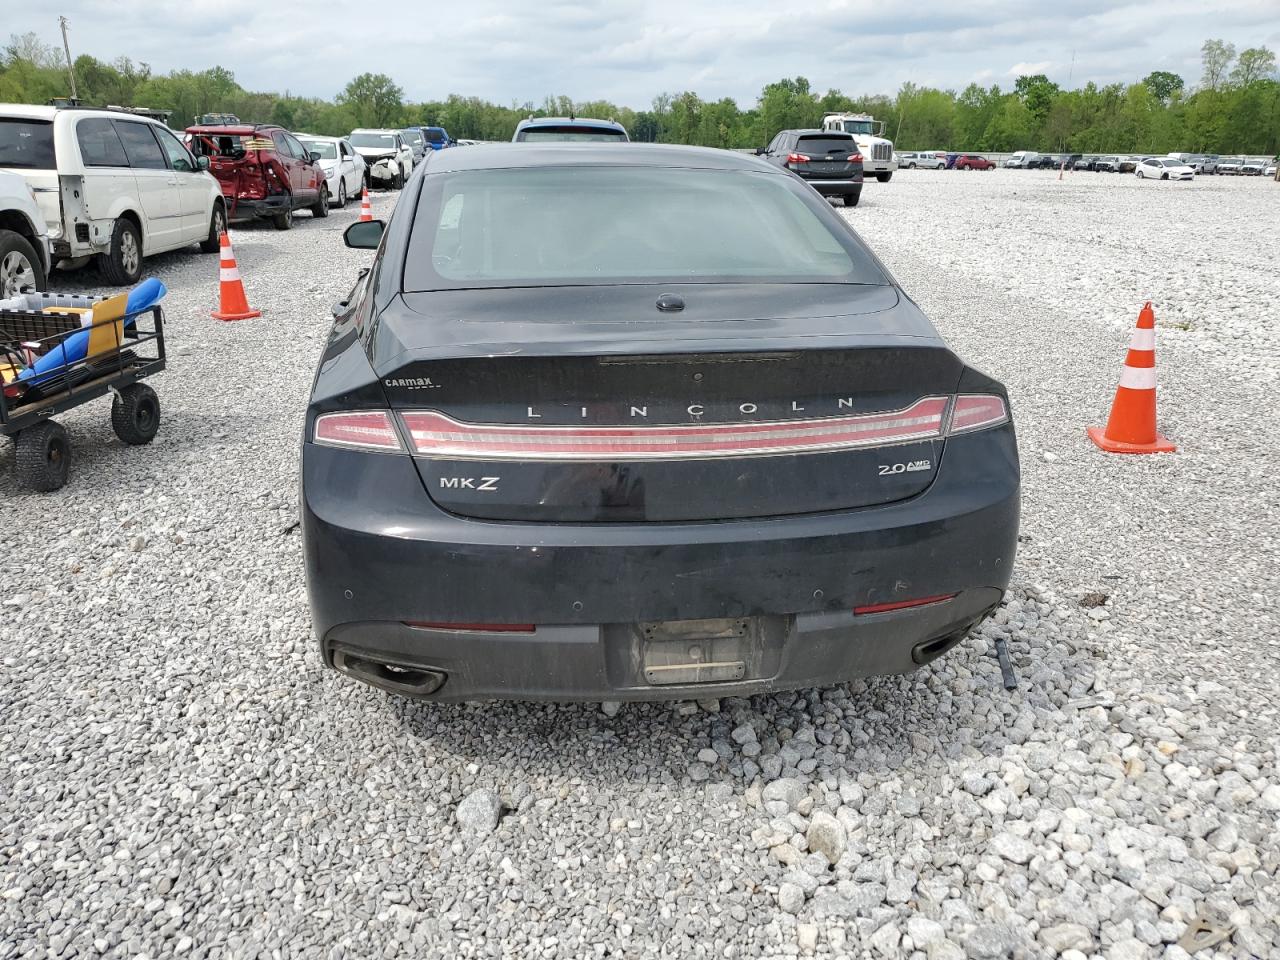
(1067, 936)
(807, 937)
(925, 932)
(478, 813)
(610, 708)
(790, 898)
(993, 940)
(826, 836)
(787, 789)
(1012, 848)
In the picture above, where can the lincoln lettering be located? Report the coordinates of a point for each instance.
(745, 409)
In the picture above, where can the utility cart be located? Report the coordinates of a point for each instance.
(58, 351)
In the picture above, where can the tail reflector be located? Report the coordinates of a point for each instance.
(473, 627)
(901, 604)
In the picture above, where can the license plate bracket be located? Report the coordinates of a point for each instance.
(696, 651)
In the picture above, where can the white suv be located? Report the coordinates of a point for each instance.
(24, 244)
(112, 185)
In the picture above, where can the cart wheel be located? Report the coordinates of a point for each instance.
(135, 414)
(43, 456)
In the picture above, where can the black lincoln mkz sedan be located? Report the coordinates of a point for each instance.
(649, 423)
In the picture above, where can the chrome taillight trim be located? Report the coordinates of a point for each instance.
(439, 436)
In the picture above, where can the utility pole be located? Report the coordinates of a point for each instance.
(71, 71)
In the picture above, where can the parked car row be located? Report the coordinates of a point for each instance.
(941, 160)
(116, 185)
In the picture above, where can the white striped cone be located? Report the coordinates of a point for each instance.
(233, 305)
(1131, 428)
(366, 211)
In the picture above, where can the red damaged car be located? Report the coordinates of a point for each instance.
(971, 161)
(264, 171)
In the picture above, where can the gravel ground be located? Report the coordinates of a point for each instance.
(182, 778)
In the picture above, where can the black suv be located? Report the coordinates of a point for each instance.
(827, 160)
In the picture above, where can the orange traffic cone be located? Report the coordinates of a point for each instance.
(1131, 427)
(233, 305)
(366, 211)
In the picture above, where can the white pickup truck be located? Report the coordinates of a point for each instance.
(24, 241)
(877, 152)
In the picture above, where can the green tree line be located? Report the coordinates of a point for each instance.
(1233, 109)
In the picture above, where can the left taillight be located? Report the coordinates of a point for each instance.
(358, 429)
(797, 158)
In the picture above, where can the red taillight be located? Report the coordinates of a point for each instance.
(474, 627)
(362, 429)
(855, 158)
(797, 158)
(976, 412)
(902, 604)
(436, 435)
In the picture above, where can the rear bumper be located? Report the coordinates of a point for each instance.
(242, 209)
(836, 188)
(380, 553)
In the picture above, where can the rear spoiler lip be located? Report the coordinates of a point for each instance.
(464, 351)
(657, 336)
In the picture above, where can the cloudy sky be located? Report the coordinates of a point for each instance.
(629, 50)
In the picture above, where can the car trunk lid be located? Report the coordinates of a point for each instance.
(759, 401)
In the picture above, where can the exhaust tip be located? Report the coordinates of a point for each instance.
(412, 681)
(930, 650)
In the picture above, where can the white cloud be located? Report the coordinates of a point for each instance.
(628, 51)
(1024, 68)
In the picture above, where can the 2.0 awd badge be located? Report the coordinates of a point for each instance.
(910, 467)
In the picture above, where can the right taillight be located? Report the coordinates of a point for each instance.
(977, 411)
(855, 158)
(361, 429)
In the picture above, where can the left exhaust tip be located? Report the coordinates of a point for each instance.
(412, 681)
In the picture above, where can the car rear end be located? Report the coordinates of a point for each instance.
(829, 161)
(28, 149)
(244, 161)
(643, 488)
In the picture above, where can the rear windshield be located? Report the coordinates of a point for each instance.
(816, 143)
(373, 140)
(327, 150)
(413, 136)
(566, 132)
(27, 144)
(551, 226)
(435, 135)
(232, 145)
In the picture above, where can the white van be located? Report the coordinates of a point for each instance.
(1022, 158)
(112, 185)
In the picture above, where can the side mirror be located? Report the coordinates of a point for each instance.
(761, 151)
(315, 157)
(202, 163)
(364, 235)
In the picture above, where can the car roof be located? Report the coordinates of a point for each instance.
(317, 136)
(837, 134)
(569, 121)
(498, 156)
(231, 128)
(378, 130)
(36, 111)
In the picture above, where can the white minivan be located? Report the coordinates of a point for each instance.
(111, 184)
(1021, 159)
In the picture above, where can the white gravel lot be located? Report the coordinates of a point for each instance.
(181, 777)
